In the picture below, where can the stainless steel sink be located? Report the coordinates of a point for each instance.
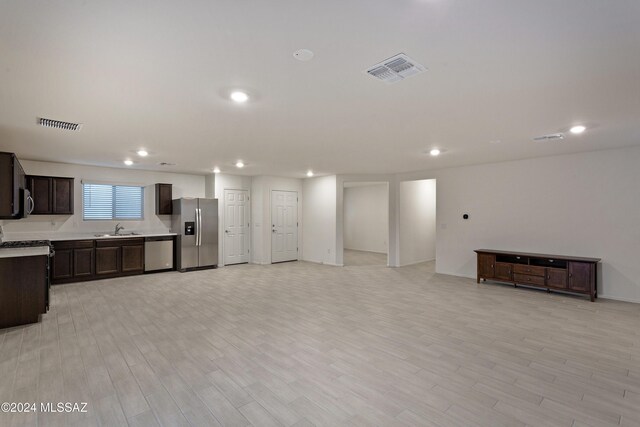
(117, 235)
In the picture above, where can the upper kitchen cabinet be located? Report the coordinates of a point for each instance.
(12, 184)
(51, 195)
(164, 194)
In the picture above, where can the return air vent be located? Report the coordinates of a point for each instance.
(395, 69)
(166, 164)
(57, 124)
(550, 137)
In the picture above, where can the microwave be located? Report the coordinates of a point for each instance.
(26, 203)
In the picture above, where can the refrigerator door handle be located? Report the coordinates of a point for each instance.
(197, 226)
(200, 228)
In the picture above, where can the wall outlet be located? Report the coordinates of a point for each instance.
(329, 251)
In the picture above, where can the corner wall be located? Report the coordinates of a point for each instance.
(319, 226)
(585, 204)
(366, 218)
(417, 214)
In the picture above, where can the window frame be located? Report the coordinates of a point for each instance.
(113, 202)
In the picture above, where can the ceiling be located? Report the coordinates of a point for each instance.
(156, 74)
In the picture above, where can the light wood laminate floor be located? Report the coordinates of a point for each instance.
(353, 258)
(305, 344)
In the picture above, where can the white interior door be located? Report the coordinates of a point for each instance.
(236, 226)
(284, 226)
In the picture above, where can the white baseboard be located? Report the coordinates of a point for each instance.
(619, 298)
(366, 250)
(416, 262)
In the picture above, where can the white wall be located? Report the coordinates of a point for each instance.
(585, 204)
(261, 188)
(366, 217)
(319, 226)
(417, 221)
(392, 251)
(183, 186)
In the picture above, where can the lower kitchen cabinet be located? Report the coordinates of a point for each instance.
(81, 260)
(23, 289)
(107, 260)
(62, 266)
(133, 258)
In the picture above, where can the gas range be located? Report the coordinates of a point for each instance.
(25, 244)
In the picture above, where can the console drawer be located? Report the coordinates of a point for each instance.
(526, 279)
(528, 270)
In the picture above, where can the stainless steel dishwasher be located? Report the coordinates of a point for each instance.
(158, 253)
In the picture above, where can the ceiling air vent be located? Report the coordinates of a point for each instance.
(395, 69)
(166, 164)
(57, 124)
(550, 137)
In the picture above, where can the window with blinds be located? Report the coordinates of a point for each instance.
(115, 202)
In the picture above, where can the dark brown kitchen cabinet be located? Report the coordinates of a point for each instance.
(83, 262)
(551, 272)
(119, 257)
(62, 267)
(51, 195)
(23, 289)
(133, 258)
(40, 187)
(107, 260)
(164, 195)
(73, 261)
(12, 185)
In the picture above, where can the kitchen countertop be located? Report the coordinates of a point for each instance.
(57, 237)
(22, 252)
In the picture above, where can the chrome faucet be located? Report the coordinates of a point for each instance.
(119, 228)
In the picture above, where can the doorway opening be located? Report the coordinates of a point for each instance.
(366, 224)
(417, 223)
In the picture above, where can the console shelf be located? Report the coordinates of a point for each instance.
(551, 272)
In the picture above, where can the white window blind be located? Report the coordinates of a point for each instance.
(115, 202)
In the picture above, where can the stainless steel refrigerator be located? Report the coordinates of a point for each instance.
(195, 221)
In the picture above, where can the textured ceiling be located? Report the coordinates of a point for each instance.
(156, 74)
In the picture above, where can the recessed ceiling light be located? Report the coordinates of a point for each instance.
(434, 152)
(578, 129)
(303, 55)
(128, 162)
(239, 164)
(216, 170)
(143, 153)
(239, 97)
(309, 174)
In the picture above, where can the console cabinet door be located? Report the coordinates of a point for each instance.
(62, 264)
(486, 265)
(557, 278)
(580, 276)
(132, 258)
(107, 260)
(83, 260)
(503, 271)
(62, 196)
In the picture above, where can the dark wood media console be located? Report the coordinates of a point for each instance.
(551, 272)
